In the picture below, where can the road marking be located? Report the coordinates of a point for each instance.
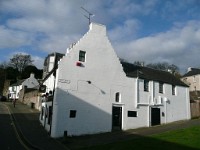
(15, 129)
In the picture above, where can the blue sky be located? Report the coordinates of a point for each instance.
(139, 30)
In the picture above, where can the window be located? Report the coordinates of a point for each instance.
(50, 115)
(117, 97)
(72, 114)
(42, 113)
(82, 56)
(146, 85)
(132, 113)
(173, 90)
(160, 87)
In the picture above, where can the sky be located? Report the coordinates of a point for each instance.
(140, 30)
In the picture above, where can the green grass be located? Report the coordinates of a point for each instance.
(184, 139)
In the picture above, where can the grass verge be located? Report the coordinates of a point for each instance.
(183, 139)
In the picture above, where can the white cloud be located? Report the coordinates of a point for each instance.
(38, 61)
(180, 45)
(58, 43)
(128, 7)
(125, 32)
(49, 25)
(10, 38)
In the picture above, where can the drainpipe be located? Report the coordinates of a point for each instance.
(136, 92)
(151, 100)
(188, 104)
(165, 110)
(152, 92)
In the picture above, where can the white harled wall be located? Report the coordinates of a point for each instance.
(93, 102)
(90, 90)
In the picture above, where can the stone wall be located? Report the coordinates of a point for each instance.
(30, 97)
(195, 109)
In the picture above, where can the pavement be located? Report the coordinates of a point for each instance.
(116, 136)
(34, 135)
(30, 130)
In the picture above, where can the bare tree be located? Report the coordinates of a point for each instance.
(164, 66)
(20, 61)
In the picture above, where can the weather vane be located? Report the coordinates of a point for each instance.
(89, 14)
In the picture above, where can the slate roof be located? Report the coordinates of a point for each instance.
(194, 71)
(134, 71)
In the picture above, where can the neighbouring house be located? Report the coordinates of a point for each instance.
(192, 79)
(33, 95)
(95, 92)
(15, 88)
(49, 70)
(49, 78)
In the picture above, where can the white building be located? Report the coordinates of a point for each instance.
(50, 66)
(192, 78)
(15, 88)
(95, 92)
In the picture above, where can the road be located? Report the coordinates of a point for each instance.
(9, 139)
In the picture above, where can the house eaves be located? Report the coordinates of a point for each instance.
(141, 72)
(193, 72)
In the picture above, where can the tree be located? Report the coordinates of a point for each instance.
(32, 69)
(139, 63)
(12, 74)
(20, 61)
(164, 66)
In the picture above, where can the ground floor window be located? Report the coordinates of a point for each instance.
(72, 114)
(50, 114)
(132, 113)
(42, 113)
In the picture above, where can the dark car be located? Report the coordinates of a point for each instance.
(2, 98)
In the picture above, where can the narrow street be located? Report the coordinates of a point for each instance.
(9, 139)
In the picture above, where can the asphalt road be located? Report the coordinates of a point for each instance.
(8, 137)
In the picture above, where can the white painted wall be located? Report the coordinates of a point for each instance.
(30, 82)
(177, 106)
(51, 63)
(93, 100)
(14, 91)
(44, 117)
(50, 83)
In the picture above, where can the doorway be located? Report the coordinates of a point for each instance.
(116, 118)
(155, 116)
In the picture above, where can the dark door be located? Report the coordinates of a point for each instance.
(117, 118)
(155, 116)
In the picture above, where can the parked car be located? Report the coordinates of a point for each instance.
(3, 98)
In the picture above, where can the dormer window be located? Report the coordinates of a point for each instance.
(82, 55)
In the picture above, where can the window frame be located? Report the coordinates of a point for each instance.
(82, 56)
(72, 113)
(146, 85)
(117, 97)
(132, 113)
(161, 87)
(173, 89)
